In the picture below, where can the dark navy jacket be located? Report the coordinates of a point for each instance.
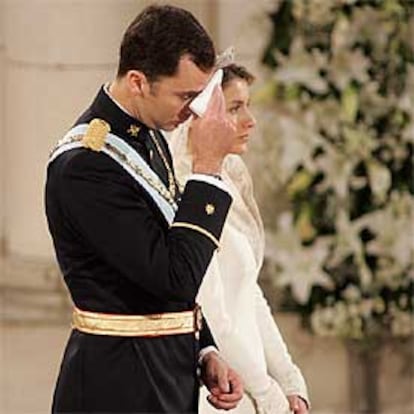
(118, 254)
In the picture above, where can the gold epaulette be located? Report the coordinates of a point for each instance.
(95, 135)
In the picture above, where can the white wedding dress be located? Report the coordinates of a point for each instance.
(233, 303)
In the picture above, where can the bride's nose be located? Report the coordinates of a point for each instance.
(249, 120)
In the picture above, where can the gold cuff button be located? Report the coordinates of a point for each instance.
(210, 209)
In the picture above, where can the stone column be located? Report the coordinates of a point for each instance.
(244, 24)
(2, 160)
(58, 53)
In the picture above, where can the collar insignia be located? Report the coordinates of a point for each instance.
(133, 130)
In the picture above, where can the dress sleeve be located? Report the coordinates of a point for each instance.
(234, 345)
(279, 361)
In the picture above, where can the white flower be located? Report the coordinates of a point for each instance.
(296, 144)
(402, 323)
(348, 65)
(403, 301)
(406, 100)
(301, 266)
(348, 242)
(341, 36)
(337, 168)
(377, 32)
(372, 103)
(379, 305)
(366, 308)
(302, 67)
(322, 322)
(338, 164)
(351, 293)
(327, 114)
(317, 12)
(337, 320)
(353, 310)
(379, 178)
(360, 141)
(393, 230)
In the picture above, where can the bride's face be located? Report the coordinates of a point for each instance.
(237, 97)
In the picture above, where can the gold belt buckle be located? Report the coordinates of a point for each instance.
(198, 320)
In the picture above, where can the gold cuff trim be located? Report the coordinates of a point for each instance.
(199, 229)
(171, 323)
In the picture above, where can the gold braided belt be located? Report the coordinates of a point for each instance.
(169, 323)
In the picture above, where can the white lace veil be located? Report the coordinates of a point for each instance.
(244, 213)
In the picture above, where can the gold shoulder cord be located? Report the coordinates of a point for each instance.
(94, 139)
(171, 180)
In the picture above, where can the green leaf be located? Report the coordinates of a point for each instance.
(349, 104)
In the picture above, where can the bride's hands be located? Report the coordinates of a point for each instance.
(297, 405)
(272, 401)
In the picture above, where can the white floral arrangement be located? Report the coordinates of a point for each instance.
(338, 110)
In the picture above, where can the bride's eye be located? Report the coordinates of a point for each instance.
(234, 109)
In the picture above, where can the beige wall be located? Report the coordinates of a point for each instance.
(57, 54)
(203, 10)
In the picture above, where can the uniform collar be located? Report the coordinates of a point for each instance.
(121, 122)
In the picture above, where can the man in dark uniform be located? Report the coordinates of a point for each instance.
(133, 251)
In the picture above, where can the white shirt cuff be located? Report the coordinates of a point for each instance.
(203, 352)
(210, 179)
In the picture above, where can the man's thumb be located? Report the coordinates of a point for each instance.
(224, 383)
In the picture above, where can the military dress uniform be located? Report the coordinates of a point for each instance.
(129, 270)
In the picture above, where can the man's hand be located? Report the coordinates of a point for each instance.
(297, 405)
(212, 136)
(223, 383)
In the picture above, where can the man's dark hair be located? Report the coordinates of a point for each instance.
(157, 39)
(234, 71)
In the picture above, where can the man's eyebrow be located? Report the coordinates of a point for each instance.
(191, 93)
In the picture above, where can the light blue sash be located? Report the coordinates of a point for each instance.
(147, 179)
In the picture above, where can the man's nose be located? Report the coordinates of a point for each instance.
(185, 113)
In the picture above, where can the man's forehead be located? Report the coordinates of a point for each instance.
(189, 77)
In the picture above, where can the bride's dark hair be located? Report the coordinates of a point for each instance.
(234, 71)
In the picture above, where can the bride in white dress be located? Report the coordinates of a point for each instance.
(232, 301)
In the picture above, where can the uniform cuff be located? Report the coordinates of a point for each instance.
(203, 352)
(203, 209)
(210, 179)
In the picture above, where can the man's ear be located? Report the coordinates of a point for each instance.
(137, 82)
